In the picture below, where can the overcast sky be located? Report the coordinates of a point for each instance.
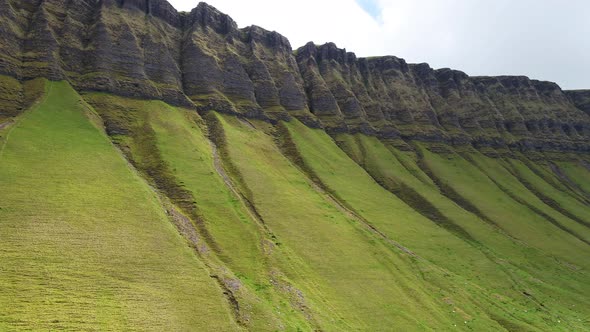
(542, 39)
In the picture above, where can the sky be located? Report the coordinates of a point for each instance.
(543, 39)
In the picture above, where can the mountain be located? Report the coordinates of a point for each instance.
(164, 170)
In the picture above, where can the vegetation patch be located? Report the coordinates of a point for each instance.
(85, 242)
(127, 122)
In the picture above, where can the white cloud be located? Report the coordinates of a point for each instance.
(541, 39)
(303, 20)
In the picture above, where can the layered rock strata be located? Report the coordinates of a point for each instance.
(146, 49)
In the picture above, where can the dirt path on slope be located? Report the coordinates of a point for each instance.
(219, 168)
(293, 293)
(186, 228)
(246, 122)
(6, 124)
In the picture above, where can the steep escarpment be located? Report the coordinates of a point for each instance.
(122, 47)
(171, 171)
(201, 59)
(389, 97)
(147, 49)
(580, 98)
(249, 71)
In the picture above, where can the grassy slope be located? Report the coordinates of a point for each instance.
(348, 275)
(85, 244)
(10, 97)
(541, 180)
(187, 154)
(515, 218)
(187, 150)
(308, 263)
(482, 232)
(396, 169)
(509, 181)
(370, 201)
(358, 190)
(523, 223)
(578, 174)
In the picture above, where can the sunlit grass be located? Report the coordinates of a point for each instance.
(85, 244)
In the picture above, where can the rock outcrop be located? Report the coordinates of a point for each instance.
(388, 97)
(201, 59)
(580, 98)
(249, 71)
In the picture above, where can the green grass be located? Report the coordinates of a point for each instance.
(513, 183)
(357, 189)
(184, 154)
(480, 253)
(540, 179)
(85, 242)
(187, 150)
(481, 292)
(513, 217)
(303, 234)
(10, 97)
(349, 276)
(518, 219)
(578, 174)
(563, 279)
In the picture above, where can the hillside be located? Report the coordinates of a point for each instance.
(170, 171)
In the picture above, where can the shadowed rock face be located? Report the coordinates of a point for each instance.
(249, 71)
(389, 97)
(201, 59)
(580, 98)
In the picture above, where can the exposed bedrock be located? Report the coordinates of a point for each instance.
(146, 49)
(581, 99)
(418, 102)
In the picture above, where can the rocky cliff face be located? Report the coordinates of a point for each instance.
(387, 96)
(580, 98)
(249, 71)
(126, 47)
(201, 59)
